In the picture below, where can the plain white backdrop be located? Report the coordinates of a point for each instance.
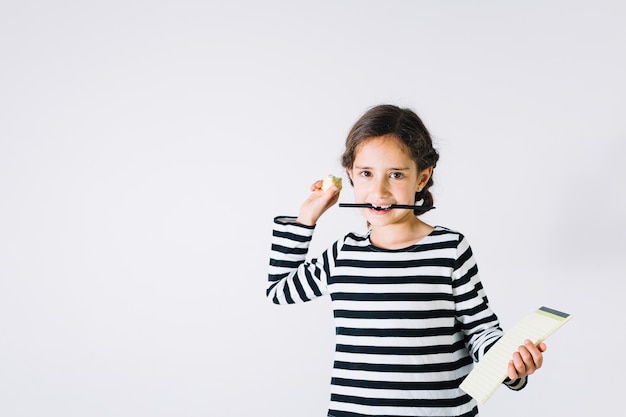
(145, 147)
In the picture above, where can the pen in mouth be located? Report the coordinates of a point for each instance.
(389, 207)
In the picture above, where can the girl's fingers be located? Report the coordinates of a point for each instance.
(511, 371)
(518, 363)
(317, 185)
(526, 360)
(534, 354)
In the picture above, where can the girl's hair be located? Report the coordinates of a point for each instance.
(403, 123)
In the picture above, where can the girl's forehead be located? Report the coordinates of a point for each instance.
(381, 147)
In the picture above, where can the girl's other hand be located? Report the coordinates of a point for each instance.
(318, 202)
(526, 360)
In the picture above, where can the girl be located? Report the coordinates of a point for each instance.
(410, 312)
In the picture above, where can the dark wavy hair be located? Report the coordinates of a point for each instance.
(388, 119)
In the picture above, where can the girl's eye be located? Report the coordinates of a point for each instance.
(365, 173)
(396, 175)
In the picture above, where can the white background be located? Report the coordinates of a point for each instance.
(145, 147)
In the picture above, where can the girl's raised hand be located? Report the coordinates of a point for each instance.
(318, 202)
(526, 360)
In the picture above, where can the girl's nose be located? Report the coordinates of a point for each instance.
(381, 188)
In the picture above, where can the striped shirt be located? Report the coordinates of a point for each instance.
(409, 323)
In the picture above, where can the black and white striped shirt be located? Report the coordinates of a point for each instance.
(409, 323)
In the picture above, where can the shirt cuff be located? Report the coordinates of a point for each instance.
(516, 384)
(291, 220)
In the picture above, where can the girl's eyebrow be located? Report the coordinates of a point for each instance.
(388, 169)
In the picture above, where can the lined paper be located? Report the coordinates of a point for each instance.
(491, 371)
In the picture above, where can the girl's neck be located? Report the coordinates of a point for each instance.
(399, 236)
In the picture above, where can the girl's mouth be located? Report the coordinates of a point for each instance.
(381, 207)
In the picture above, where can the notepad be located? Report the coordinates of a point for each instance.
(491, 371)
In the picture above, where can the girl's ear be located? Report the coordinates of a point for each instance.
(422, 178)
(349, 173)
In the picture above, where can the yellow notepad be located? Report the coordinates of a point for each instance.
(491, 371)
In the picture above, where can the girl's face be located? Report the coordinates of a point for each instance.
(384, 173)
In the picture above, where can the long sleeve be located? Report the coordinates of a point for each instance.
(291, 279)
(480, 325)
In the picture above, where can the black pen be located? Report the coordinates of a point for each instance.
(392, 206)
